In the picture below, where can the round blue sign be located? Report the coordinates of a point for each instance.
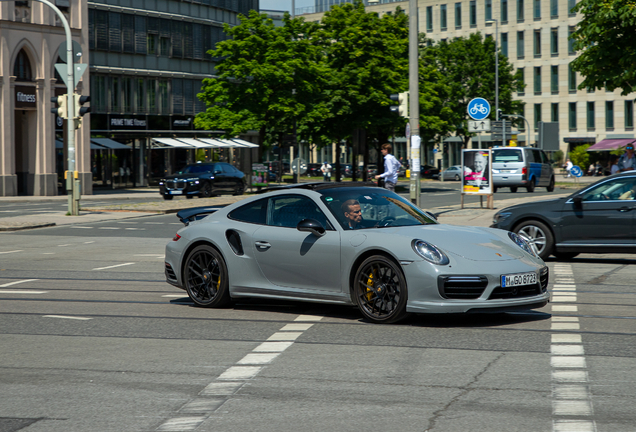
(576, 171)
(478, 108)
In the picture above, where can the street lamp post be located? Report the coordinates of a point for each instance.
(414, 101)
(496, 66)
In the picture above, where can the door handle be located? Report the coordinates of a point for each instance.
(624, 209)
(262, 245)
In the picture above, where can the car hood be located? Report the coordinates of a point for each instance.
(472, 243)
(539, 205)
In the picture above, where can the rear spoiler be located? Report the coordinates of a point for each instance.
(192, 214)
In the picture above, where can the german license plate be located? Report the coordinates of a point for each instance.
(176, 192)
(518, 279)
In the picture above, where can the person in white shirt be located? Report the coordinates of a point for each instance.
(391, 167)
(326, 171)
(568, 167)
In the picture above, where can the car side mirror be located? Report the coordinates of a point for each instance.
(578, 201)
(312, 226)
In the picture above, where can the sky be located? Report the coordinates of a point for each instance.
(284, 5)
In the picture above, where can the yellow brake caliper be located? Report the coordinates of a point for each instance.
(370, 286)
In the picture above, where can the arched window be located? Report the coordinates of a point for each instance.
(22, 67)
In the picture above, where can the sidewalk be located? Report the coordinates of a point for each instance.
(471, 214)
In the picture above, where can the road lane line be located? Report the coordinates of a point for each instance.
(67, 317)
(258, 358)
(113, 266)
(17, 282)
(13, 251)
(181, 424)
(21, 292)
(240, 373)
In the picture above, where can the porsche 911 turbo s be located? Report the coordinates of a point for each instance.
(357, 245)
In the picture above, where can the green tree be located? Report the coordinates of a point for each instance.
(267, 78)
(467, 67)
(580, 157)
(605, 41)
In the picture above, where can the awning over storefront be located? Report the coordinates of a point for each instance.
(213, 142)
(195, 143)
(60, 145)
(611, 144)
(169, 143)
(245, 143)
(110, 144)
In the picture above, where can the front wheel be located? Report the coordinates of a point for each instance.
(206, 190)
(239, 189)
(205, 277)
(380, 290)
(537, 234)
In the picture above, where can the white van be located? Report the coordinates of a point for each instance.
(525, 167)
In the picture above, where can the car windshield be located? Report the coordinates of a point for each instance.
(378, 208)
(507, 155)
(195, 169)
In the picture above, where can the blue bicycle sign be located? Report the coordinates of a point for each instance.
(478, 108)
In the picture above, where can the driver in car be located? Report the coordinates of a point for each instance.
(353, 213)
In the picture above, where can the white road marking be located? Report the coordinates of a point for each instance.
(565, 308)
(202, 406)
(175, 295)
(181, 424)
(113, 266)
(258, 358)
(573, 426)
(296, 327)
(569, 376)
(21, 292)
(566, 391)
(135, 229)
(123, 222)
(221, 389)
(80, 227)
(89, 242)
(8, 211)
(67, 317)
(565, 350)
(308, 318)
(240, 372)
(110, 228)
(564, 319)
(154, 223)
(273, 346)
(17, 282)
(48, 253)
(566, 338)
(67, 244)
(565, 326)
(572, 408)
(564, 298)
(150, 255)
(13, 251)
(573, 362)
(284, 336)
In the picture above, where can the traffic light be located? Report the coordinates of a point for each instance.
(79, 101)
(499, 114)
(403, 99)
(61, 109)
(79, 109)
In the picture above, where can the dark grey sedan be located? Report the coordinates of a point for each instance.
(599, 218)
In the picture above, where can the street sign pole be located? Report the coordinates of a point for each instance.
(414, 100)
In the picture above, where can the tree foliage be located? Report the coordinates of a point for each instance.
(467, 69)
(605, 40)
(580, 157)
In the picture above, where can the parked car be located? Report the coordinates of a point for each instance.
(452, 173)
(597, 219)
(526, 167)
(365, 246)
(429, 171)
(313, 170)
(203, 180)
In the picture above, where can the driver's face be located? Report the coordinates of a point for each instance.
(480, 163)
(354, 214)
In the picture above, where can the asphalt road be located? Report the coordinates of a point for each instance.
(93, 339)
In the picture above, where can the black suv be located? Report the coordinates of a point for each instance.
(203, 180)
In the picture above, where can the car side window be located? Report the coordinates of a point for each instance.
(544, 157)
(287, 211)
(227, 168)
(529, 156)
(617, 190)
(254, 212)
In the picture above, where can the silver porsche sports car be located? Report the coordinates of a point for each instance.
(342, 244)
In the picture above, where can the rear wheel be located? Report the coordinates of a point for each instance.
(537, 234)
(457, 177)
(550, 187)
(530, 187)
(565, 255)
(380, 290)
(205, 277)
(513, 189)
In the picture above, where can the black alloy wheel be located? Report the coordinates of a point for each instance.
(380, 290)
(537, 234)
(531, 185)
(205, 277)
(206, 190)
(168, 197)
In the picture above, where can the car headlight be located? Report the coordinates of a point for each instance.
(429, 252)
(522, 243)
(501, 216)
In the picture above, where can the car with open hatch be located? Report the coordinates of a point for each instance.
(203, 180)
(599, 218)
(352, 245)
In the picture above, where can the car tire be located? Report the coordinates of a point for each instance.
(550, 187)
(205, 277)
(564, 255)
(206, 190)
(513, 189)
(494, 189)
(380, 290)
(239, 190)
(457, 178)
(538, 234)
(531, 185)
(168, 197)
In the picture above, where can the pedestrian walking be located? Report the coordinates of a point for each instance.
(391, 167)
